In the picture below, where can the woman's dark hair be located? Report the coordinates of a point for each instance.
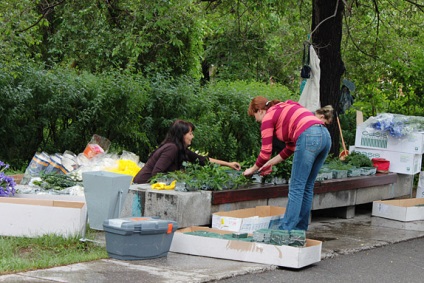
(175, 135)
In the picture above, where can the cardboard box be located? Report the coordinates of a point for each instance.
(36, 217)
(400, 209)
(286, 256)
(400, 162)
(367, 137)
(249, 219)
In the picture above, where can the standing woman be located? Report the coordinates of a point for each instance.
(173, 151)
(306, 136)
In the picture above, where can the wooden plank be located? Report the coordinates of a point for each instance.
(258, 191)
(251, 193)
(353, 183)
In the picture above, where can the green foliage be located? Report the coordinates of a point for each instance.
(337, 164)
(142, 36)
(53, 181)
(283, 169)
(60, 110)
(126, 70)
(209, 177)
(255, 40)
(222, 123)
(358, 159)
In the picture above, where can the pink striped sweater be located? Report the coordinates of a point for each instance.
(286, 120)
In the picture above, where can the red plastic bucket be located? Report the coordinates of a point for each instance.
(381, 164)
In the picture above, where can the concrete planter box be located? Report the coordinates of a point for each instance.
(196, 208)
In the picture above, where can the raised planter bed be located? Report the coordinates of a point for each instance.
(196, 208)
(258, 191)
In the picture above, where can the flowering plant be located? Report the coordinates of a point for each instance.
(7, 183)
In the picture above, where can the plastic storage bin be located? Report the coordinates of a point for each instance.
(138, 238)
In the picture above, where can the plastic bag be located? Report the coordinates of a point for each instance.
(310, 95)
(96, 146)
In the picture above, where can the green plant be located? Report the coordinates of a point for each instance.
(358, 159)
(53, 181)
(337, 164)
(283, 169)
(208, 177)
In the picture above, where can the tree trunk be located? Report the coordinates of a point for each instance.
(326, 38)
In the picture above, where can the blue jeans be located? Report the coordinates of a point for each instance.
(312, 149)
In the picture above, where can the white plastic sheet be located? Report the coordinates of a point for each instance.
(310, 95)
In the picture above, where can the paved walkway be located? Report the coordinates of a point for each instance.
(339, 236)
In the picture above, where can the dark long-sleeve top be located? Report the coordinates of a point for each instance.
(165, 159)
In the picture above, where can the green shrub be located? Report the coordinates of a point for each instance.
(61, 109)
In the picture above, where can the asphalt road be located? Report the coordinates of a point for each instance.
(401, 262)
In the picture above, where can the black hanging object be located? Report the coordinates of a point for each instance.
(305, 72)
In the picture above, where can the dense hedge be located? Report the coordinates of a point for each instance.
(61, 109)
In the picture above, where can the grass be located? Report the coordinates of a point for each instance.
(19, 254)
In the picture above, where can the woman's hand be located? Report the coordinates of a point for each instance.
(234, 165)
(250, 171)
(273, 161)
(265, 170)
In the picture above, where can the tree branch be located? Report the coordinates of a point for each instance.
(419, 6)
(45, 11)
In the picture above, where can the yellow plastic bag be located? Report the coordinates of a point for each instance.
(163, 186)
(127, 167)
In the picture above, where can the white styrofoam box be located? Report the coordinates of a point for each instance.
(367, 137)
(287, 256)
(399, 209)
(52, 197)
(36, 217)
(400, 162)
(249, 219)
(395, 224)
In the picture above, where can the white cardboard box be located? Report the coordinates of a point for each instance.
(367, 137)
(287, 256)
(400, 162)
(33, 217)
(399, 209)
(249, 219)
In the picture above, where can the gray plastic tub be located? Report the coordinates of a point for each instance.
(138, 238)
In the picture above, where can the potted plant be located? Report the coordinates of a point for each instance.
(339, 168)
(362, 163)
(282, 171)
